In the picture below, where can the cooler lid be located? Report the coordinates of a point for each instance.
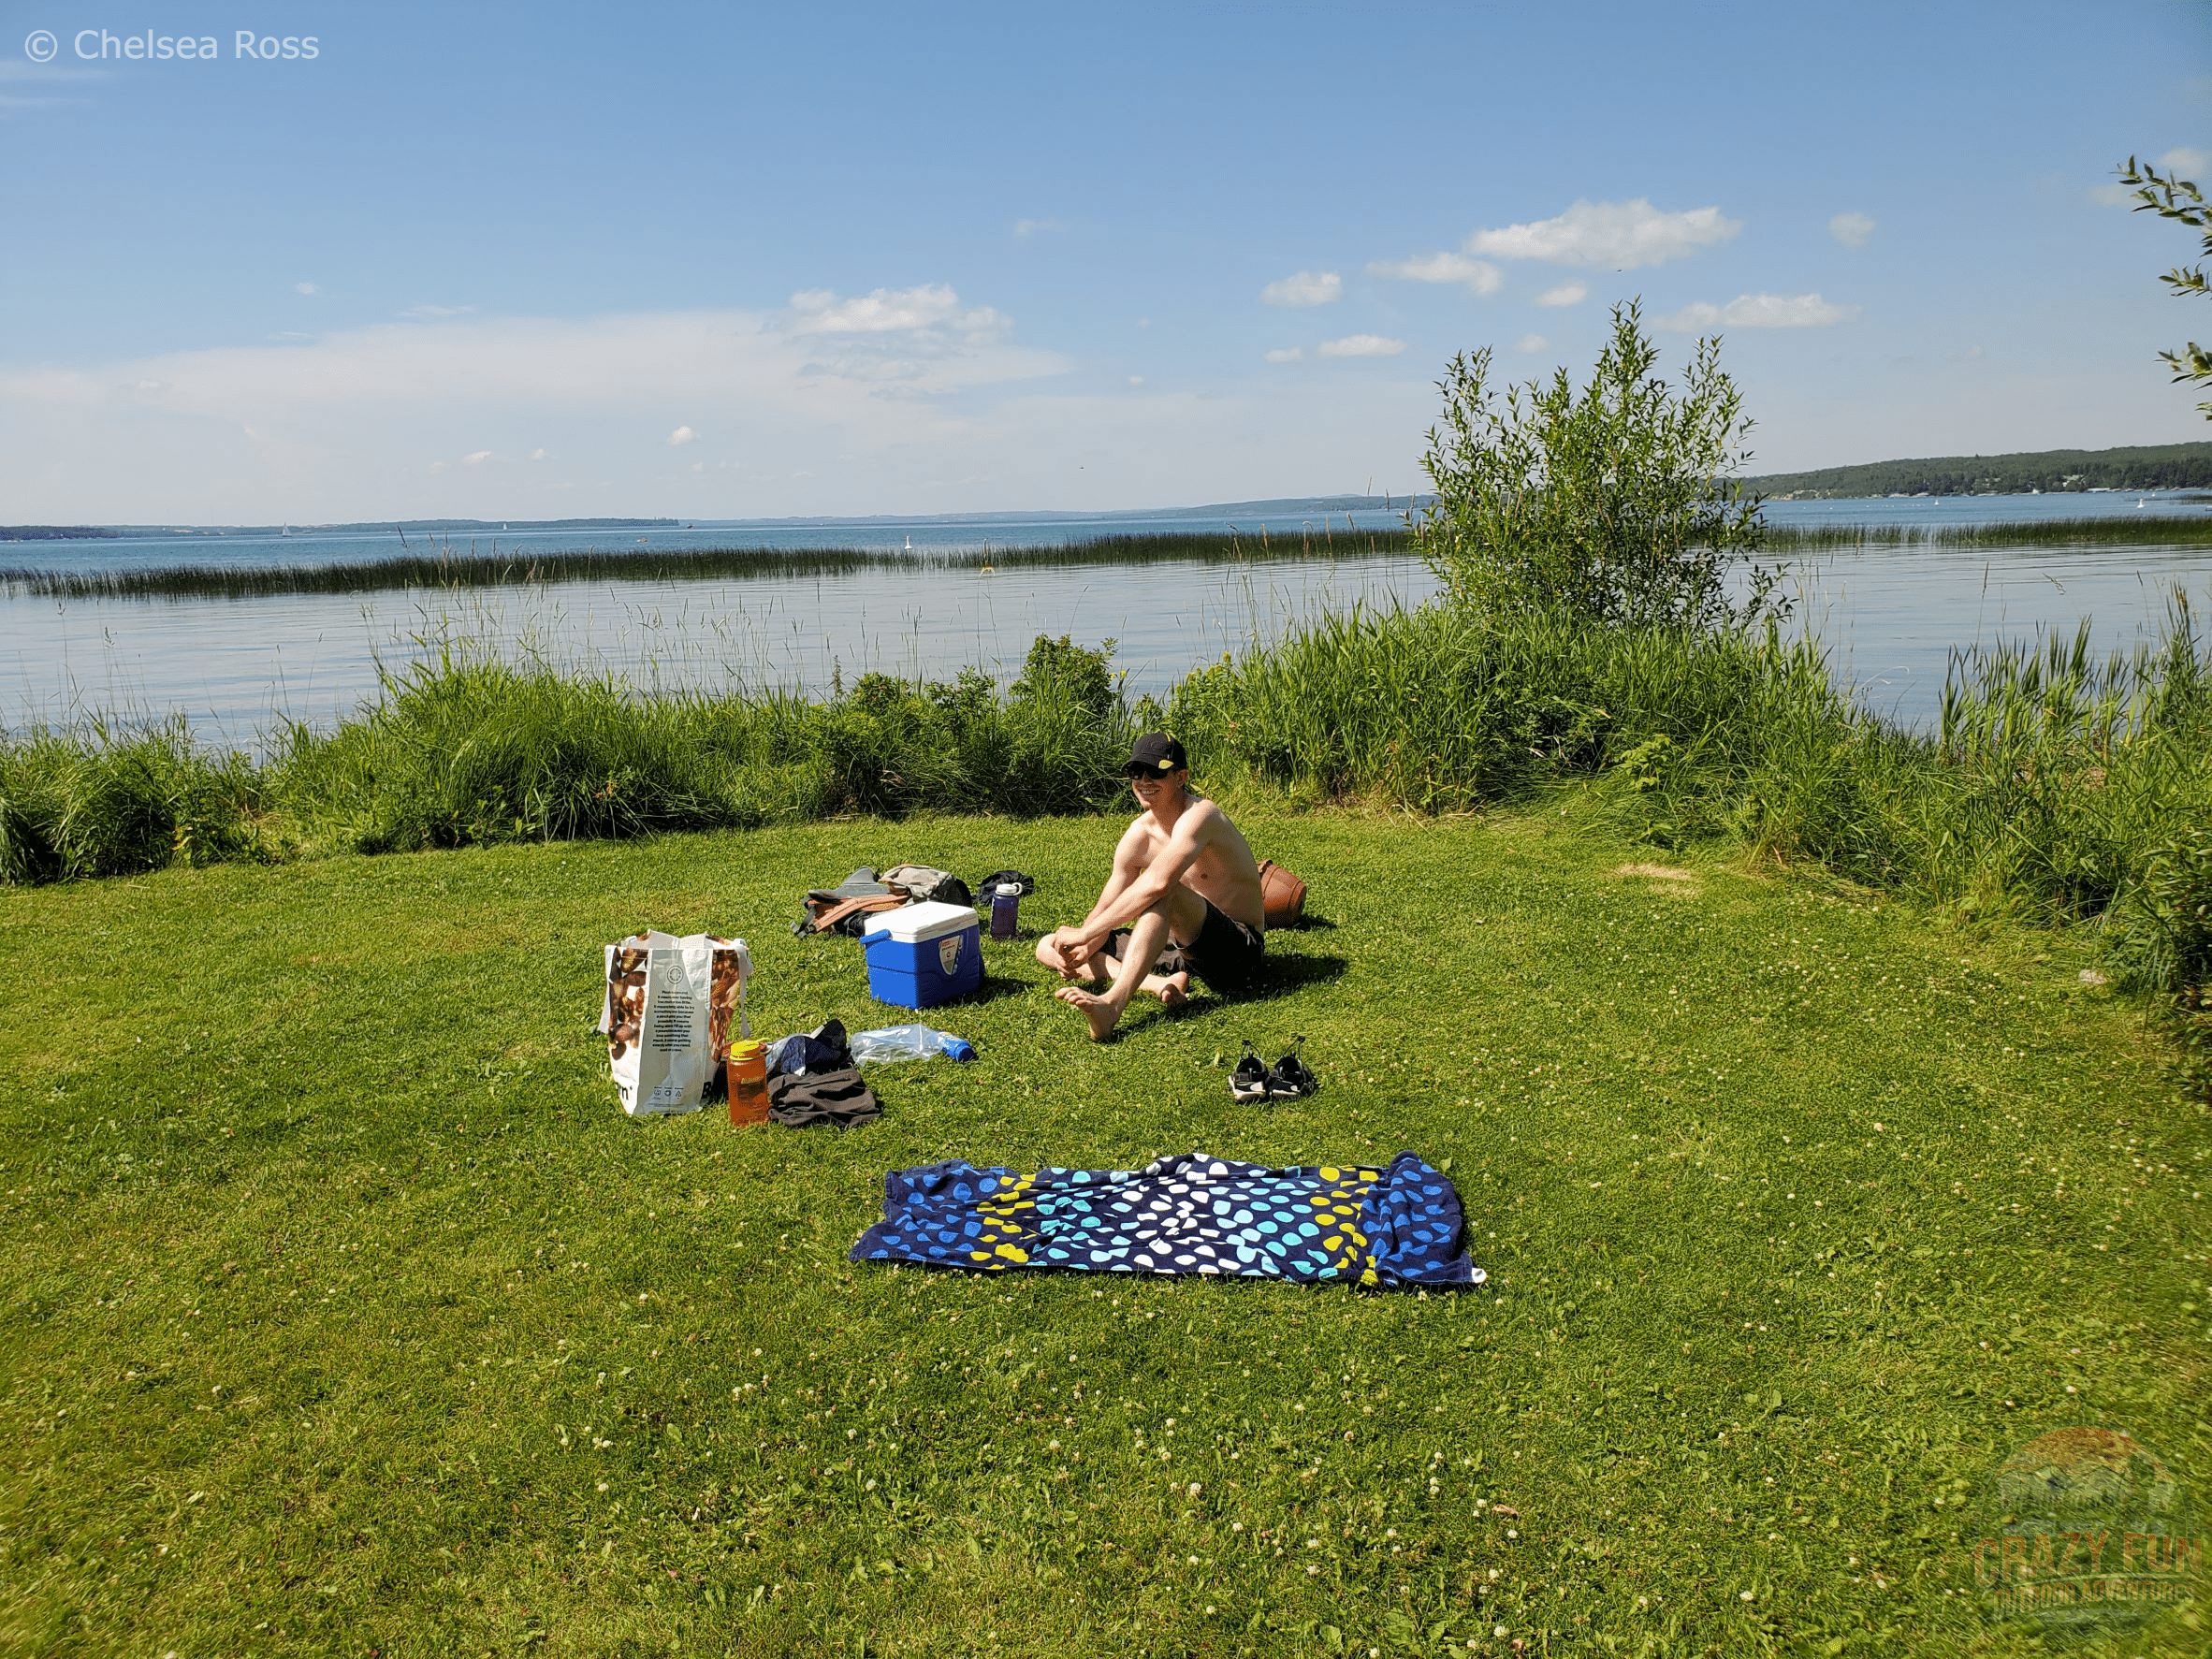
(910, 924)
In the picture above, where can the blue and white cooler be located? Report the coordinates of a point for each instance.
(920, 956)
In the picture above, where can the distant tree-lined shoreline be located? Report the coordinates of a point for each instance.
(2155, 466)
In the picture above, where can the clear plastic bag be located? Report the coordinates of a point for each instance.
(906, 1043)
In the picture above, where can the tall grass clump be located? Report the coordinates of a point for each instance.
(469, 751)
(2058, 786)
(110, 801)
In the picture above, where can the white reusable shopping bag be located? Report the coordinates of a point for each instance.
(666, 1015)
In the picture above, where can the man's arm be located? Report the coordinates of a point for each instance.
(1075, 945)
(1128, 866)
(1125, 900)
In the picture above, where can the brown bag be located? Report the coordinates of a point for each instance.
(1281, 895)
(824, 914)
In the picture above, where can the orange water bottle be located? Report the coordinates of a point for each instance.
(749, 1081)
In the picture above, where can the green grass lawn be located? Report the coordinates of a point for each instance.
(346, 1313)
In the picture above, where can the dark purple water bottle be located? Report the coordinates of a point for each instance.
(1006, 903)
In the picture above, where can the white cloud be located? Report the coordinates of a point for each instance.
(1758, 310)
(933, 306)
(346, 423)
(1532, 342)
(476, 459)
(1850, 229)
(1477, 275)
(305, 288)
(1304, 287)
(1572, 293)
(1360, 345)
(537, 455)
(2112, 195)
(20, 69)
(681, 436)
(345, 435)
(1024, 227)
(1625, 235)
(1286, 353)
(2185, 161)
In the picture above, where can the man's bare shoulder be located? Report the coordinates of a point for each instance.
(1141, 836)
(1204, 818)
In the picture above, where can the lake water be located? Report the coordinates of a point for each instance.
(238, 668)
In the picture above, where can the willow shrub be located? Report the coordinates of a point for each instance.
(1614, 504)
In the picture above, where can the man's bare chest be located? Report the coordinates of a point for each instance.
(1206, 867)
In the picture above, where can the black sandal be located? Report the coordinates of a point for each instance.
(1292, 1078)
(1249, 1080)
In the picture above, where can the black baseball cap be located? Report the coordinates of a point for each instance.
(1155, 755)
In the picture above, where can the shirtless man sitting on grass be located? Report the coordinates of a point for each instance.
(1183, 898)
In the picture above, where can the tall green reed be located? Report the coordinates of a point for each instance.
(521, 567)
(2148, 530)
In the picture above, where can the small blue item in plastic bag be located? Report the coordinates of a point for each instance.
(907, 1043)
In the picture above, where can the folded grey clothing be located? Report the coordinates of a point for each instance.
(861, 883)
(927, 884)
(797, 1099)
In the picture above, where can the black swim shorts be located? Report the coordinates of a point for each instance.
(1228, 954)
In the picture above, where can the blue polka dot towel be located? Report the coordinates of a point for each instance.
(1400, 1227)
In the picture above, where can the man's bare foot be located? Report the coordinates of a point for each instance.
(1172, 989)
(1102, 1014)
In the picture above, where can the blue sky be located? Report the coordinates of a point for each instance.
(509, 261)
